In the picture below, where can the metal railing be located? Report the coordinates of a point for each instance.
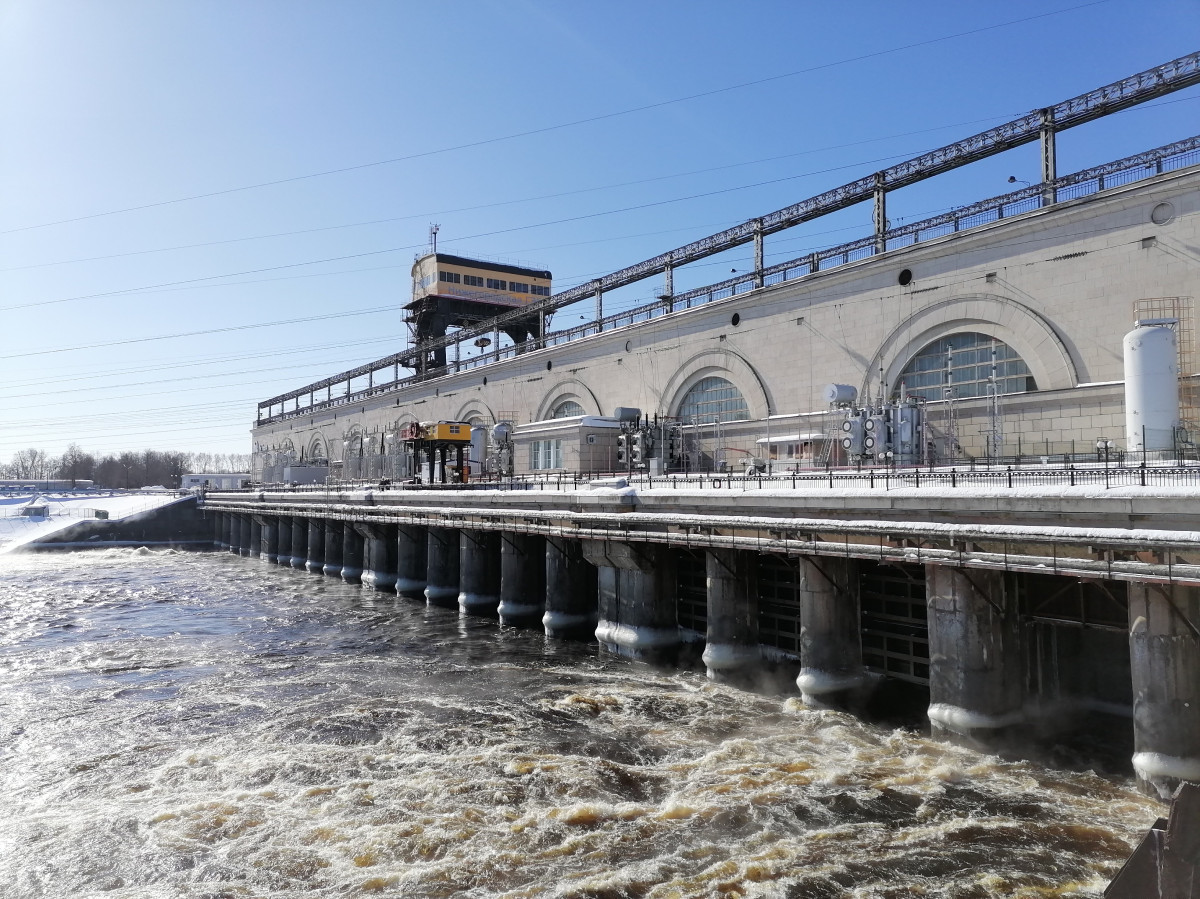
(1149, 475)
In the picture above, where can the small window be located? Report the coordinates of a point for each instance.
(473, 280)
(518, 287)
(497, 284)
(451, 277)
(539, 290)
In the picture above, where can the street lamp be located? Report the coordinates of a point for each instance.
(1013, 179)
(1103, 446)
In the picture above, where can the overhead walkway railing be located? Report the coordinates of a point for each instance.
(1041, 125)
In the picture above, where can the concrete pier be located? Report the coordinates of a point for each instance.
(299, 543)
(636, 589)
(975, 668)
(522, 578)
(226, 531)
(352, 554)
(830, 639)
(441, 588)
(479, 572)
(1164, 651)
(315, 555)
(270, 539)
(244, 534)
(731, 650)
(255, 537)
(412, 558)
(379, 558)
(333, 548)
(217, 523)
(570, 590)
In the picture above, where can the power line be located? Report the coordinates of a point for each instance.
(499, 203)
(571, 124)
(224, 330)
(364, 254)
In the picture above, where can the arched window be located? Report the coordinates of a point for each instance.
(567, 409)
(713, 399)
(966, 359)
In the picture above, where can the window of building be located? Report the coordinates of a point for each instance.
(426, 281)
(713, 399)
(545, 454)
(497, 284)
(567, 409)
(964, 362)
(473, 280)
(451, 277)
(518, 287)
(540, 290)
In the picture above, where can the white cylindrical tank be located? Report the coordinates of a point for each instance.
(841, 394)
(1151, 388)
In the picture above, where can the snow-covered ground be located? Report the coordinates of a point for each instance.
(66, 509)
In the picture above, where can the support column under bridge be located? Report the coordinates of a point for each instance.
(976, 672)
(1164, 651)
(636, 598)
(570, 590)
(412, 558)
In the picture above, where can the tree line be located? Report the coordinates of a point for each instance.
(127, 470)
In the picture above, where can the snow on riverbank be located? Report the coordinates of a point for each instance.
(66, 509)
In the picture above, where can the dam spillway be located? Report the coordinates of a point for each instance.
(1008, 606)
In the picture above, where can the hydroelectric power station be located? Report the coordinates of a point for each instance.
(958, 454)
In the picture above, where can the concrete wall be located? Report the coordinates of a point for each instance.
(1057, 284)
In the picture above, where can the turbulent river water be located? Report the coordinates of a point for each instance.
(203, 725)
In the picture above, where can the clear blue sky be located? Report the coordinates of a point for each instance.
(108, 107)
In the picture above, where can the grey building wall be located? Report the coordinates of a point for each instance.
(1056, 284)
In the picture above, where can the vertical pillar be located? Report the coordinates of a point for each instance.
(830, 631)
(570, 590)
(668, 282)
(879, 217)
(1164, 655)
(270, 539)
(636, 595)
(226, 529)
(216, 526)
(333, 548)
(352, 554)
(412, 555)
(599, 307)
(731, 648)
(255, 549)
(1049, 163)
(235, 533)
(379, 559)
(758, 253)
(522, 578)
(299, 542)
(315, 553)
(441, 567)
(243, 543)
(975, 667)
(479, 571)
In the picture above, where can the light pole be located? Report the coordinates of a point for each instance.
(1103, 445)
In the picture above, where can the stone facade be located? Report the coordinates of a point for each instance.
(1058, 285)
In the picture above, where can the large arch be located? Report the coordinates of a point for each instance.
(722, 364)
(473, 409)
(568, 389)
(317, 448)
(1022, 328)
